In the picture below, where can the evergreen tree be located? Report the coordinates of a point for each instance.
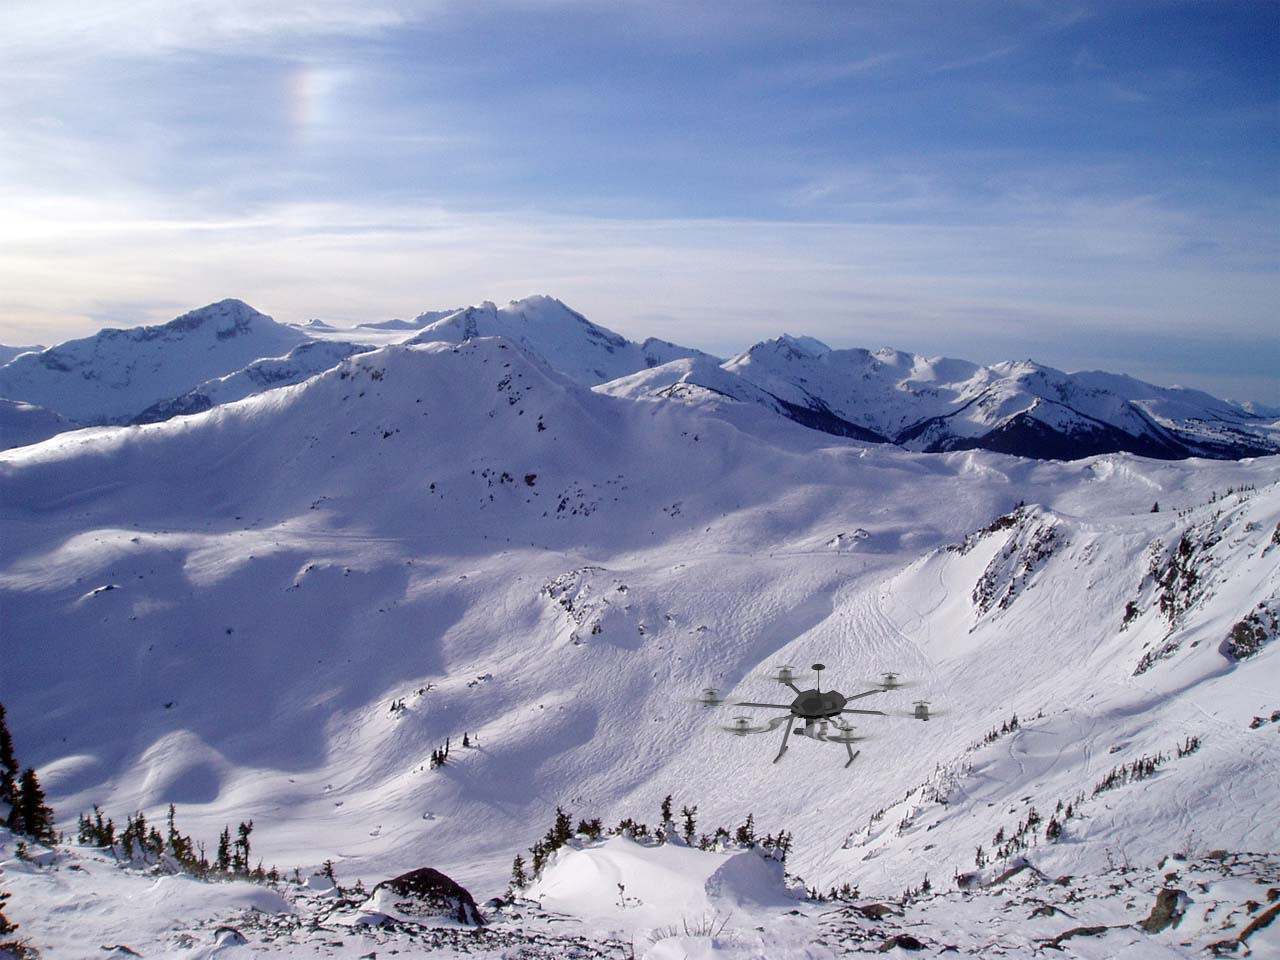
(223, 860)
(1155, 507)
(35, 815)
(689, 814)
(562, 830)
(746, 833)
(666, 811)
(8, 765)
(6, 927)
(519, 880)
(240, 859)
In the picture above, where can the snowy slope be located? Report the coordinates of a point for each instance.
(24, 423)
(220, 611)
(114, 375)
(303, 361)
(7, 353)
(568, 341)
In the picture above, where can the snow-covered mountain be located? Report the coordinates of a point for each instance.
(565, 339)
(227, 351)
(279, 608)
(938, 404)
(303, 361)
(114, 375)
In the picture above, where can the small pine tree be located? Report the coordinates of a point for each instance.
(561, 830)
(241, 856)
(539, 852)
(519, 879)
(666, 811)
(690, 815)
(326, 870)
(222, 862)
(466, 740)
(746, 833)
(6, 927)
(8, 765)
(34, 815)
(1155, 507)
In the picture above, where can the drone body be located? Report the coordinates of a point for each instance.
(817, 710)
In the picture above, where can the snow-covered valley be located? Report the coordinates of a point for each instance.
(278, 608)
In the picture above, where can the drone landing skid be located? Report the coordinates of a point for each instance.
(853, 755)
(786, 735)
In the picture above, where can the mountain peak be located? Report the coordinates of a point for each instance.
(230, 318)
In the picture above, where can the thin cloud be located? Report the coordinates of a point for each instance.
(37, 28)
(990, 56)
(813, 73)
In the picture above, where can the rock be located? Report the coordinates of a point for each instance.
(425, 895)
(229, 937)
(1259, 923)
(903, 940)
(1057, 941)
(1169, 907)
(875, 911)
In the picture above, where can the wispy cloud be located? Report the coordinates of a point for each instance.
(988, 56)
(40, 28)
(812, 73)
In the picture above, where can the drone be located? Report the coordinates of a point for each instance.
(820, 711)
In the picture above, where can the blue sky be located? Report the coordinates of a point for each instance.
(1090, 185)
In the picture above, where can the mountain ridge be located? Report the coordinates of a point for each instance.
(927, 404)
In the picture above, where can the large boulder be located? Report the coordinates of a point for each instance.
(425, 896)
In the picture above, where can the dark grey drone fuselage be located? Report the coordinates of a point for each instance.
(817, 708)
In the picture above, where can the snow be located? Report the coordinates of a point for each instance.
(116, 374)
(646, 886)
(573, 345)
(25, 423)
(7, 353)
(408, 526)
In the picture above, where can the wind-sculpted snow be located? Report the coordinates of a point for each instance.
(280, 608)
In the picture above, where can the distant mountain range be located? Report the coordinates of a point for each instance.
(228, 351)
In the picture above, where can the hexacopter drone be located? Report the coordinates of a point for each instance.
(819, 710)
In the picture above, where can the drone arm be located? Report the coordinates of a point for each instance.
(865, 693)
(775, 706)
(786, 735)
(877, 713)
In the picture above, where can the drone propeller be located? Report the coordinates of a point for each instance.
(741, 726)
(890, 681)
(844, 734)
(785, 674)
(920, 710)
(710, 697)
